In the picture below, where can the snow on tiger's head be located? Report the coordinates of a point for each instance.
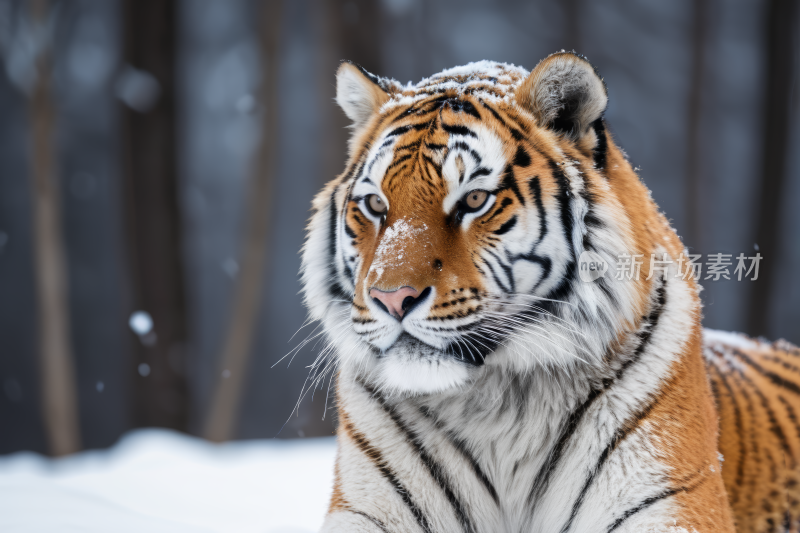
(451, 242)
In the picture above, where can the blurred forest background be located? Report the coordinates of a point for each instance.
(158, 160)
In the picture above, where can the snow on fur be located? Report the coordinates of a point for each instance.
(490, 80)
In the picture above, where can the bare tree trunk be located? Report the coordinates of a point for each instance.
(781, 61)
(59, 397)
(572, 30)
(223, 416)
(147, 86)
(351, 30)
(694, 121)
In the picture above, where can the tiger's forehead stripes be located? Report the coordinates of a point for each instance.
(493, 81)
(416, 161)
(443, 130)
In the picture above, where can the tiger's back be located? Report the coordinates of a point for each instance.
(756, 385)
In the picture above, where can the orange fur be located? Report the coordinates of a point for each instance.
(757, 390)
(758, 484)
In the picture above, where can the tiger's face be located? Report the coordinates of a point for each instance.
(452, 240)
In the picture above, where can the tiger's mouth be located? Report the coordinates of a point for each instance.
(467, 335)
(465, 348)
(412, 366)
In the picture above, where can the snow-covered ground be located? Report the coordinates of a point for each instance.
(158, 481)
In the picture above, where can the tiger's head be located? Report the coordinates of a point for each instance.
(451, 243)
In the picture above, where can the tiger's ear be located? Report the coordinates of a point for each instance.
(358, 93)
(565, 94)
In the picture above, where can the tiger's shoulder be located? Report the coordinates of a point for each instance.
(756, 385)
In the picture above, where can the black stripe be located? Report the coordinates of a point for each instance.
(457, 104)
(507, 269)
(647, 503)
(536, 189)
(737, 415)
(496, 278)
(520, 124)
(434, 469)
(433, 104)
(358, 219)
(454, 129)
(386, 143)
(545, 262)
(505, 203)
(566, 285)
(335, 289)
(515, 133)
(426, 175)
(421, 114)
(508, 226)
(470, 109)
(521, 158)
(348, 271)
(461, 145)
(786, 365)
(494, 113)
(756, 457)
(775, 427)
(433, 163)
(397, 161)
(603, 284)
(590, 219)
(648, 325)
(377, 457)
(398, 131)
(600, 152)
(773, 377)
(408, 146)
(435, 146)
(714, 390)
(380, 525)
(437, 102)
(509, 181)
(370, 76)
(565, 203)
(620, 435)
(462, 448)
(792, 415)
(367, 166)
(422, 124)
(518, 136)
(480, 171)
(773, 470)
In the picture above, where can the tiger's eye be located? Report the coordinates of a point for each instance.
(376, 204)
(475, 199)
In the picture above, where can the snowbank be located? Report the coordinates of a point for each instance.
(159, 481)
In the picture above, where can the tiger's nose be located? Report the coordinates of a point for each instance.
(396, 303)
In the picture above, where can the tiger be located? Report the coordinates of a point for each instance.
(485, 381)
